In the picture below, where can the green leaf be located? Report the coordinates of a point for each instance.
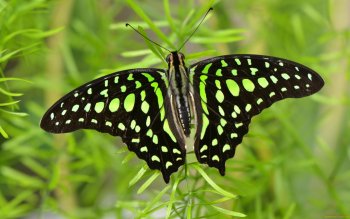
(172, 199)
(150, 206)
(200, 54)
(121, 25)
(148, 182)
(228, 212)
(15, 79)
(167, 11)
(211, 40)
(7, 93)
(33, 33)
(13, 113)
(138, 10)
(138, 176)
(3, 133)
(189, 210)
(7, 56)
(154, 48)
(36, 167)
(200, 12)
(128, 157)
(212, 183)
(9, 103)
(290, 211)
(136, 53)
(21, 178)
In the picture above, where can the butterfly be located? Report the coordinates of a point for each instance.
(152, 109)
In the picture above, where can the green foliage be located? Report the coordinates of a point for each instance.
(293, 163)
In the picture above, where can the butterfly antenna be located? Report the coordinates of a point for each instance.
(128, 25)
(195, 30)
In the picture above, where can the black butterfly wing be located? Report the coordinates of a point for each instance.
(232, 89)
(131, 104)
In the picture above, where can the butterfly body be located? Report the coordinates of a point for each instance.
(180, 96)
(151, 109)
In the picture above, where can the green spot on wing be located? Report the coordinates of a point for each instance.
(248, 107)
(155, 139)
(253, 71)
(168, 164)
(234, 72)
(220, 96)
(149, 77)
(164, 149)
(143, 95)
(176, 151)
(87, 107)
(121, 126)
(130, 77)
(238, 61)
(160, 99)
(223, 63)
(145, 107)
(206, 68)
(218, 72)
(220, 130)
(135, 140)
(138, 84)
(129, 102)
(155, 158)
(204, 148)
(123, 88)
(203, 95)
(233, 87)
(215, 158)
(273, 79)
(249, 61)
(263, 82)
(149, 133)
(218, 84)
(285, 76)
(114, 105)
(104, 93)
(168, 130)
(99, 107)
(205, 125)
(75, 108)
(226, 148)
(248, 85)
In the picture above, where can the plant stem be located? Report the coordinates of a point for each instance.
(55, 67)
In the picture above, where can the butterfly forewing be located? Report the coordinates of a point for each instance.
(130, 104)
(234, 88)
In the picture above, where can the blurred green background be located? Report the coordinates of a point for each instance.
(294, 163)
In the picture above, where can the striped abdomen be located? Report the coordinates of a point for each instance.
(178, 78)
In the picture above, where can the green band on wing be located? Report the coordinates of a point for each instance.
(168, 130)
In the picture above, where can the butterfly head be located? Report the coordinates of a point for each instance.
(175, 58)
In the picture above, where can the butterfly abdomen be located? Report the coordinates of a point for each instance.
(178, 78)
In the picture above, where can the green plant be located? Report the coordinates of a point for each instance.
(293, 163)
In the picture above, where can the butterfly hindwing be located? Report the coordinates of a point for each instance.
(234, 88)
(130, 104)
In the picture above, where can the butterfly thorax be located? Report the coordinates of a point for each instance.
(179, 90)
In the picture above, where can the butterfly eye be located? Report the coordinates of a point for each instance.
(182, 56)
(167, 59)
